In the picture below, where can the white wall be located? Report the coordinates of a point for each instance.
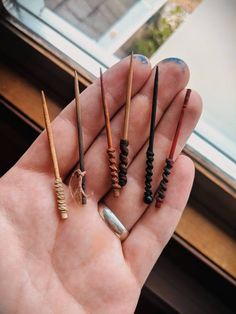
(207, 42)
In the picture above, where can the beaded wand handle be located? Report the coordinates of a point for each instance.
(148, 196)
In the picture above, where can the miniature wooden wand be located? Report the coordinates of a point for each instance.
(110, 150)
(124, 143)
(148, 196)
(161, 191)
(81, 171)
(58, 184)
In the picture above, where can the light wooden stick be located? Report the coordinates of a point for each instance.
(58, 184)
(128, 99)
(124, 143)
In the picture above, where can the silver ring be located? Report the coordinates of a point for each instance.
(113, 222)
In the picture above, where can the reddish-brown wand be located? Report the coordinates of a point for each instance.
(110, 150)
(161, 191)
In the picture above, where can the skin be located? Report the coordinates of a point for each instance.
(79, 265)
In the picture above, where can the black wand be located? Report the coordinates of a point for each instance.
(148, 195)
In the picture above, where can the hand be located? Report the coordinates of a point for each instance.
(79, 265)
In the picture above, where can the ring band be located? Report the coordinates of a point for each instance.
(113, 222)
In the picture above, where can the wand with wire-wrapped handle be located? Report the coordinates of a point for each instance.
(110, 150)
(81, 171)
(58, 184)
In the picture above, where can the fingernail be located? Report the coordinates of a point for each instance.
(141, 58)
(175, 60)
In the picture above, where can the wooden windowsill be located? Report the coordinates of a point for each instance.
(24, 94)
(208, 238)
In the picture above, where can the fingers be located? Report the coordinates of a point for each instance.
(130, 206)
(173, 78)
(152, 232)
(37, 158)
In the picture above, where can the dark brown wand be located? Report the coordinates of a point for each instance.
(124, 143)
(110, 150)
(161, 191)
(148, 195)
(81, 171)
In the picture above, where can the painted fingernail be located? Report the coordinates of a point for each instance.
(175, 60)
(141, 58)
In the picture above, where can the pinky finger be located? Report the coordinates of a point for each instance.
(155, 228)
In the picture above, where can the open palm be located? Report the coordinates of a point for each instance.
(79, 265)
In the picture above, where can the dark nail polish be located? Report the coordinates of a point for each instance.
(141, 58)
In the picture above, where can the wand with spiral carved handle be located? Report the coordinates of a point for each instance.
(110, 150)
(124, 151)
(161, 191)
(148, 195)
(148, 178)
(163, 184)
(124, 143)
(58, 184)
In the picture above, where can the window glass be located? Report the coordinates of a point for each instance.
(159, 27)
(207, 42)
(93, 17)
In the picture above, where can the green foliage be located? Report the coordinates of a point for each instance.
(157, 30)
